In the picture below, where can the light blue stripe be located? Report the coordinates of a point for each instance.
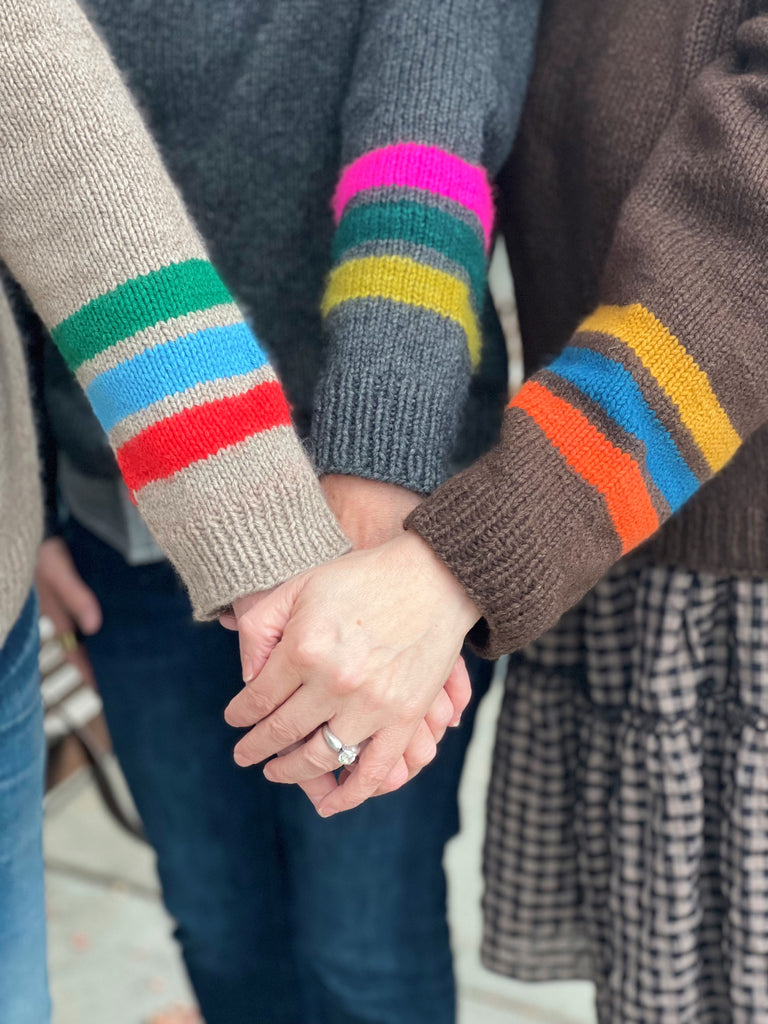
(172, 367)
(616, 391)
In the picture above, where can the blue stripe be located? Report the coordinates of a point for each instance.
(174, 366)
(616, 391)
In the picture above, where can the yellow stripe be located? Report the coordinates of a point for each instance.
(685, 383)
(403, 280)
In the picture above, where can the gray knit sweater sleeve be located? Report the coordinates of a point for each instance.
(431, 113)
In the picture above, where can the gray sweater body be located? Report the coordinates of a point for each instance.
(255, 107)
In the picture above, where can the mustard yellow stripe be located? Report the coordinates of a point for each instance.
(684, 382)
(404, 280)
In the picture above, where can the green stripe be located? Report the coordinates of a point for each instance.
(422, 225)
(141, 302)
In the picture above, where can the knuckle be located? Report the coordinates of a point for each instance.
(370, 701)
(403, 716)
(279, 732)
(308, 650)
(344, 681)
(256, 702)
(318, 758)
(374, 774)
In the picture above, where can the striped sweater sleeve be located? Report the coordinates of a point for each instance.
(432, 109)
(656, 390)
(92, 227)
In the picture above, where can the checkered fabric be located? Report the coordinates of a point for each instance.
(627, 837)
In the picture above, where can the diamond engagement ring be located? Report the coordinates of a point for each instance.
(347, 752)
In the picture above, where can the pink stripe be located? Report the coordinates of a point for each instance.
(411, 165)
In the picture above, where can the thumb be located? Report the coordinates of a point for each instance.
(261, 621)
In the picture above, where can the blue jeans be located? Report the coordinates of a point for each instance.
(23, 973)
(283, 918)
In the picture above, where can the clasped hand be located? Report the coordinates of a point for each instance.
(370, 644)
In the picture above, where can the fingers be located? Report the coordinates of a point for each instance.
(459, 689)
(421, 749)
(298, 717)
(64, 596)
(371, 772)
(67, 602)
(82, 603)
(261, 621)
(396, 779)
(318, 789)
(314, 760)
(311, 760)
(440, 715)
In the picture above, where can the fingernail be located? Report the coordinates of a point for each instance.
(241, 759)
(247, 669)
(456, 722)
(268, 773)
(324, 812)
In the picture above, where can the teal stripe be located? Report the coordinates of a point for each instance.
(421, 225)
(139, 303)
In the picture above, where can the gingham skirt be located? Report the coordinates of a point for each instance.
(627, 835)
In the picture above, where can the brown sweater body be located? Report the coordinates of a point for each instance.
(582, 149)
(639, 189)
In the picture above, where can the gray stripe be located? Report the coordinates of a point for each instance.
(423, 254)
(393, 193)
(208, 391)
(217, 316)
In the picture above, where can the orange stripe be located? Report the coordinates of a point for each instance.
(611, 471)
(196, 433)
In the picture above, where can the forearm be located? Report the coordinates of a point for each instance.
(92, 227)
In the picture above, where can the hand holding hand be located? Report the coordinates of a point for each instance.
(370, 513)
(366, 644)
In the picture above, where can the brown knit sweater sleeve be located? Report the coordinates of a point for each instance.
(655, 391)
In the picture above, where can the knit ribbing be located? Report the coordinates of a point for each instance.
(398, 253)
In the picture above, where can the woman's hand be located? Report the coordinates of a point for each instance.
(364, 643)
(71, 606)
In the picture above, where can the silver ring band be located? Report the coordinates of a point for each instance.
(347, 752)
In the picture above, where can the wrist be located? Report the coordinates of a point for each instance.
(370, 512)
(420, 561)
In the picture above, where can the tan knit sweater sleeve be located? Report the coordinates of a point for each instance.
(94, 230)
(656, 390)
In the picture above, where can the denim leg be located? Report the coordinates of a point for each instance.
(370, 895)
(165, 681)
(23, 975)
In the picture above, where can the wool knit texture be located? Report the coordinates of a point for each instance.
(636, 206)
(94, 230)
(337, 159)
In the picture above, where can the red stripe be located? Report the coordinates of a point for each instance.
(589, 453)
(174, 443)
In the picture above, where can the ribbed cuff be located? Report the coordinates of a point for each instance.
(523, 536)
(243, 522)
(390, 411)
